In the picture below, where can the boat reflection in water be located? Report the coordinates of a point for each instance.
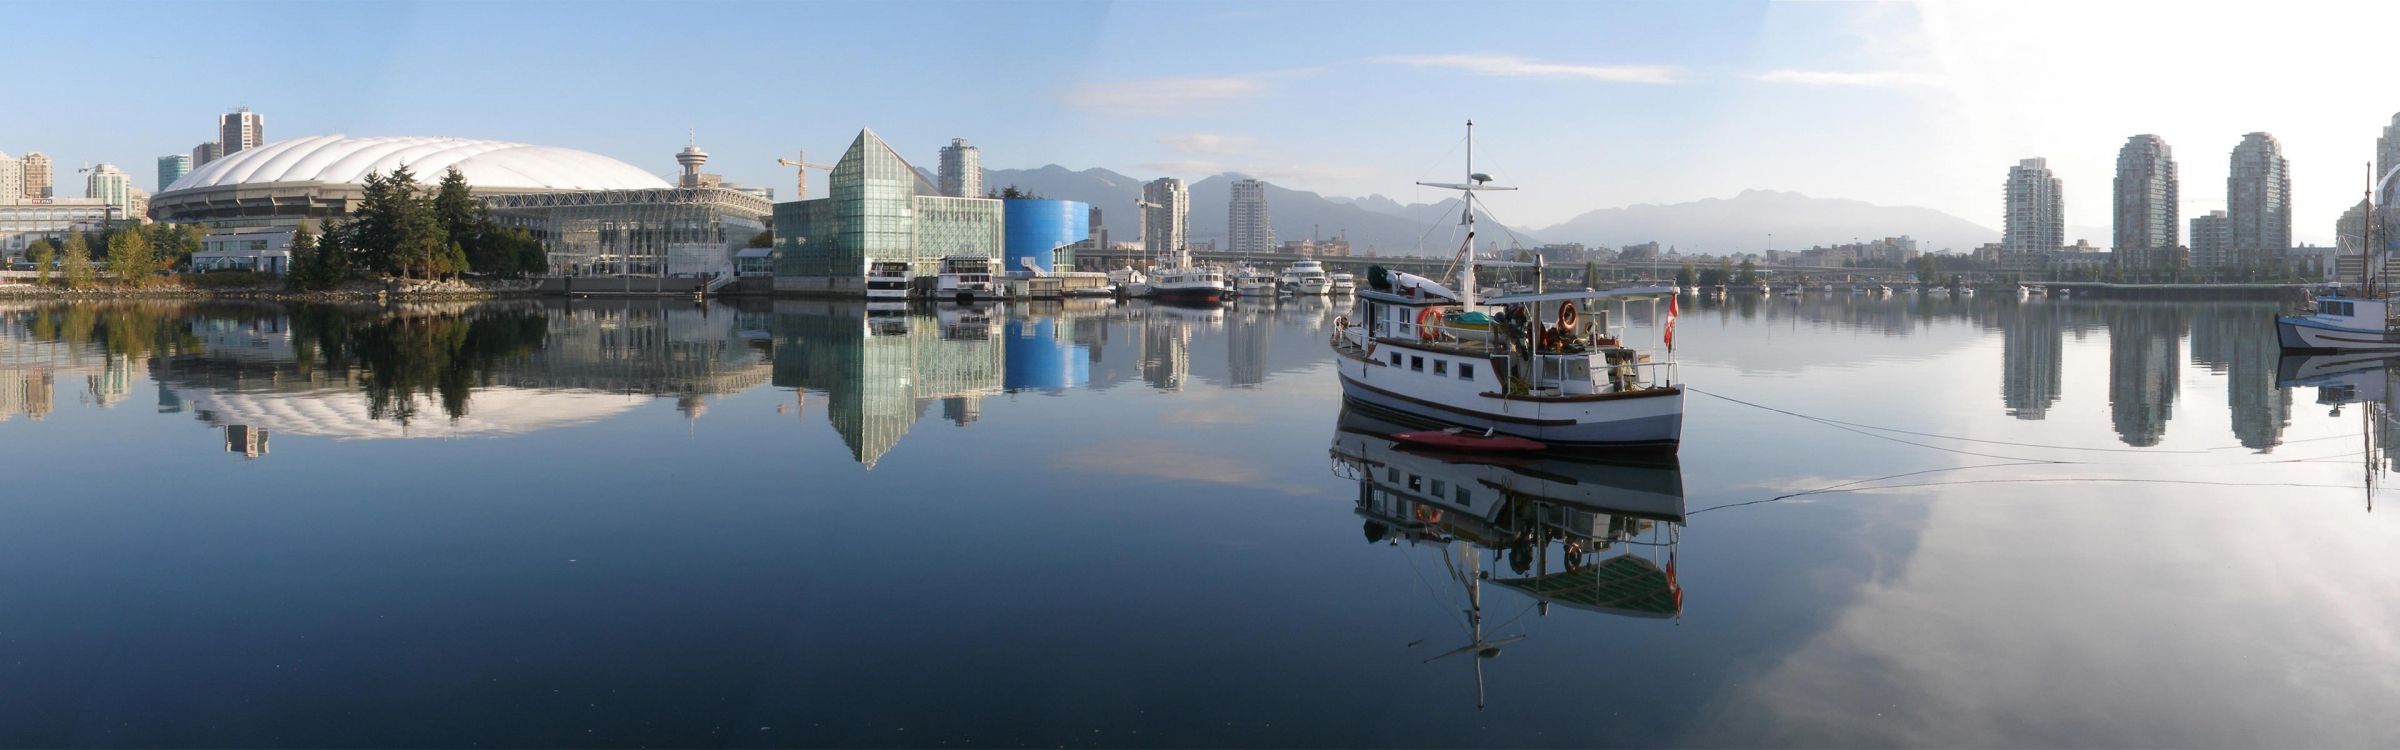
(1595, 537)
(2366, 379)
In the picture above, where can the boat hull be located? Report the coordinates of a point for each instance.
(1188, 293)
(1634, 421)
(2297, 333)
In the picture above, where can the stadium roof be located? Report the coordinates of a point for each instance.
(488, 165)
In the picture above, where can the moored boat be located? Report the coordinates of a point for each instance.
(887, 280)
(965, 278)
(1307, 278)
(1342, 283)
(1537, 367)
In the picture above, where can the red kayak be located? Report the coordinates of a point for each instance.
(1459, 440)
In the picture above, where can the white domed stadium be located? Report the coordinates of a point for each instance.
(320, 176)
(594, 215)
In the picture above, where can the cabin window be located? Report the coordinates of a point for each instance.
(1416, 483)
(1395, 359)
(1466, 371)
(1462, 496)
(1416, 363)
(1391, 475)
(1441, 367)
(1440, 488)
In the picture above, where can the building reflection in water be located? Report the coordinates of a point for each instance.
(1248, 329)
(1592, 537)
(1166, 357)
(2239, 343)
(2032, 347)
(450, 370)
(1047, 351)
(2144, 369)
(881, 370)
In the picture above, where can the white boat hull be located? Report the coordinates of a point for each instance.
(2299, 333)
(1626, 421)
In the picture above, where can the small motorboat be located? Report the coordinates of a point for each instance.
(1460, 440)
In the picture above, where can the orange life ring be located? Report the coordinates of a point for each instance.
(1566, 315)
(1429, 515)
(1424, 331)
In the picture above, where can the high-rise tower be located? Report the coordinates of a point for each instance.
(961, 170)
(1166, 210)
(2146, 223)
(2034, 219)
(2258, 204)
(240, 129)
(37, 175)
(1248, 226)
(172, 168)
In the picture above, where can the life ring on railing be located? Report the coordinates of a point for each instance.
(1424, 331)
(1429, 515)
(1566, 316)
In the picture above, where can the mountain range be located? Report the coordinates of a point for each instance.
(1389, 227)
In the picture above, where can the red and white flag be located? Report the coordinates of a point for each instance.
(1671, 310)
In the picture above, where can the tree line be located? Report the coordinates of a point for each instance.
(406, 230)
(132, 255)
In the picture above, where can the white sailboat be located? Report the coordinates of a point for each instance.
(1527, 365)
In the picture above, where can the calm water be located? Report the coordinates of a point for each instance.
(652, 523)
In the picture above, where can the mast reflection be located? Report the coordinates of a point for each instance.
(1594, 537)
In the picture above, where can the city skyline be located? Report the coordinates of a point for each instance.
(1892, 104)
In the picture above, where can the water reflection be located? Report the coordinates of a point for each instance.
(880, 373)
(1592, 537)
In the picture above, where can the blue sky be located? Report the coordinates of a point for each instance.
(1585, 105)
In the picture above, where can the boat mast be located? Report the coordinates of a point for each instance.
(1466, 276)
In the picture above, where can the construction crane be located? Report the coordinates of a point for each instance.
(799, 163)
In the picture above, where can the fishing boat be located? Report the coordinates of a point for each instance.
(887, 280)
(1536, 367)
(965, 278)
(1343, 284)
(1307, 278)
(2355, 320)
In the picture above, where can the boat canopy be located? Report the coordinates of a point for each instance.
(1635, 292)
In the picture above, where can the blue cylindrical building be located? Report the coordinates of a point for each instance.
(1036, 229)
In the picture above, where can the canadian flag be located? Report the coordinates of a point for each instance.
(1671, 310)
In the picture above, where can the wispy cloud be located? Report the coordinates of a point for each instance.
(1518, 67)
(1871, 79)
(1208, 144)
(1161, 96)
(1183, 166)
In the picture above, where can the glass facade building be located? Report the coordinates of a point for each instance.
(649, 232)
(879, 208)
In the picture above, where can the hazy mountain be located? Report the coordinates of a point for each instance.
(1742, 223)
(1427, 229)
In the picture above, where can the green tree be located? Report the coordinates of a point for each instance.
(75, 262)
(1685, 277)
(302, 275)
(130, 258)
(42, 252)
(1749, 273)
(763, 239)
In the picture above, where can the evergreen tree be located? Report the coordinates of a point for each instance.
(1685, 276)
(333, 258)
(42, 253)
(75, 262)
(466, 225)
(302, 275)
(129, 257)
(418, 247)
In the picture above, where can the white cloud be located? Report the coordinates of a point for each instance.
(1878, 78)
(1161, 96)
(1208, 144)
(1519, 67)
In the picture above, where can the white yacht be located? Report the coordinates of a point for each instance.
(1252, 283)
(1527, 365)
(1342, 283)
(1307, 278)
(887, 280)
(965, 278)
